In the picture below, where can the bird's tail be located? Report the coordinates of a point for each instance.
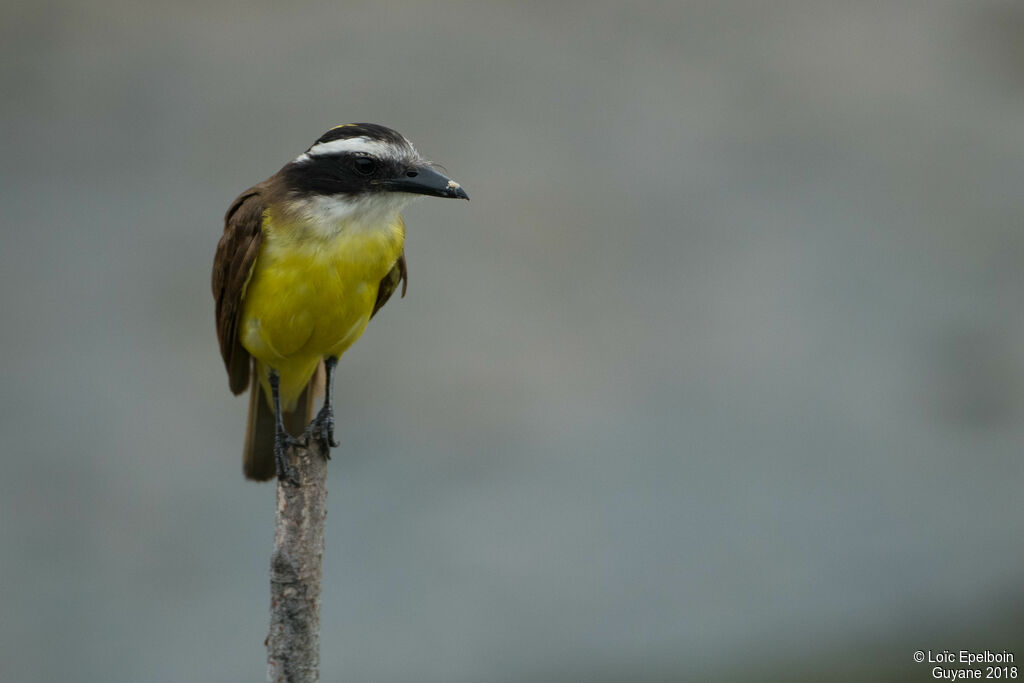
(258, 456)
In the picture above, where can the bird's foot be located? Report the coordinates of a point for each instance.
(283, 441)
(322, 429)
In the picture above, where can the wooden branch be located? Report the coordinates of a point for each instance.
(296, 568)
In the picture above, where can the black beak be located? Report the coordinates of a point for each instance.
(425, 180)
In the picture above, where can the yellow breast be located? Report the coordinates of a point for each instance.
(312, 291)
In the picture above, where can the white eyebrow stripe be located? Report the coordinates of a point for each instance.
(361, 144)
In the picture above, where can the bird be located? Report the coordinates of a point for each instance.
(307, 258)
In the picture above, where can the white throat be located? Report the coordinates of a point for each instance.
(329, 216)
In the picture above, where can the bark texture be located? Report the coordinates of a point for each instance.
(296, 569)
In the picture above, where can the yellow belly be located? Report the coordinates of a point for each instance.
(311, 294)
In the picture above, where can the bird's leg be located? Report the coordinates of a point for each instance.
(322, 426)
(282, 439)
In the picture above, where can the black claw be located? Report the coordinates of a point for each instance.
(322, 426)
(322, 429)
(285, 472)
(282, 439)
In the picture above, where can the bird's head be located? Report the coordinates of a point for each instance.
(362, 168)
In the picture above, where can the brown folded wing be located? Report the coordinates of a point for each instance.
(232, 268)
(398, 273)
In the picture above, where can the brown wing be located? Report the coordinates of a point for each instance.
(398, 273)
(232, 266)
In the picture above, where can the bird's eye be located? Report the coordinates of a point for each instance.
(365, 165)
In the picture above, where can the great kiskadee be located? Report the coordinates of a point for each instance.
(308, 256)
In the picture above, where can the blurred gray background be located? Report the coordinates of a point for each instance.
(720, 375)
